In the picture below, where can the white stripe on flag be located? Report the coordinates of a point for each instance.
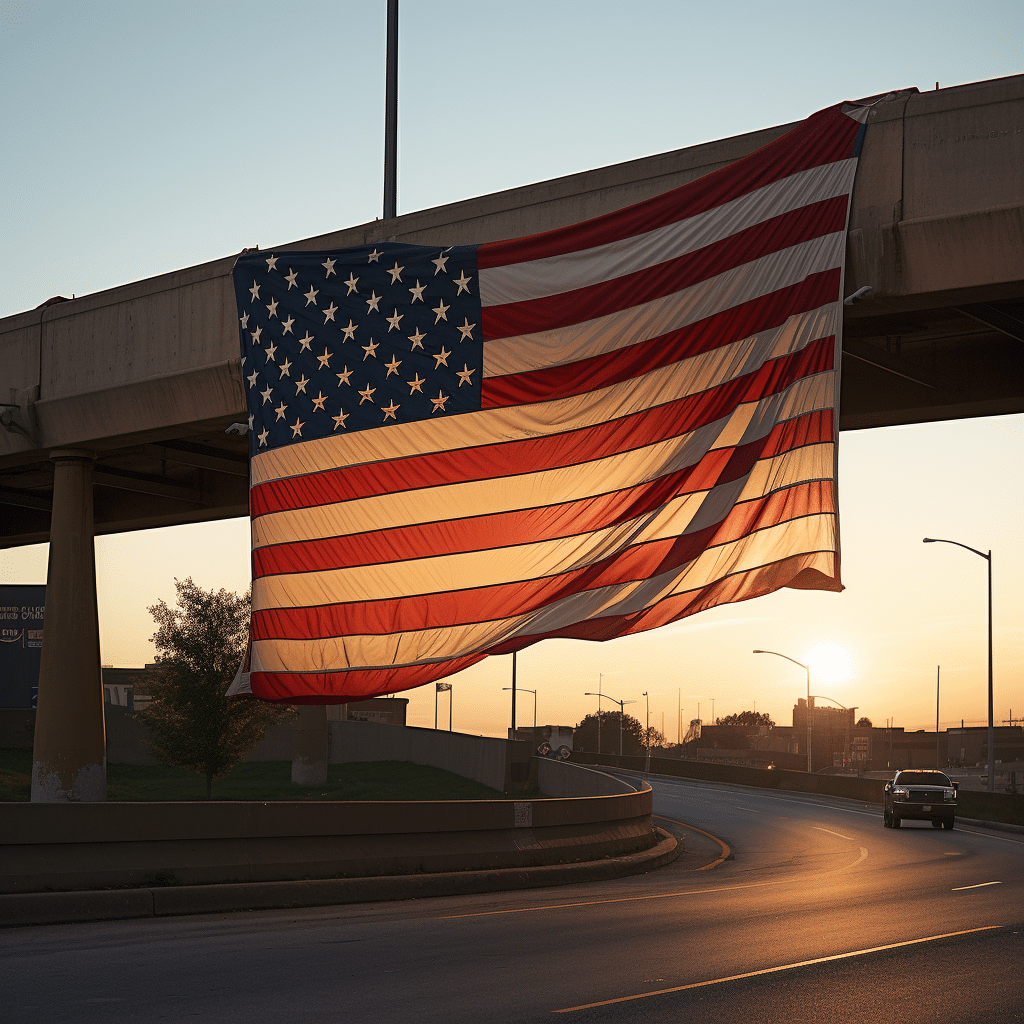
(552, 275)
(619, 330)
(497, 426)
(813, 535)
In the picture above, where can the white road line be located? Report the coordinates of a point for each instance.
(980, 885)
(831, 833)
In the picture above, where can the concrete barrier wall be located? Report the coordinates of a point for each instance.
(1002, 807)
(486, 759)
(870, 790)
(72, 846)
(483, 758)
(565, 779)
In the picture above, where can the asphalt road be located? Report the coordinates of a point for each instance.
(822, 915)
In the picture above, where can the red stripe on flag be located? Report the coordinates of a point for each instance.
(593, 301)
(483, 604)
(742, 586)
(760, 314)
(822, 139)
(534, 454)
(526, 526)
(326, 687)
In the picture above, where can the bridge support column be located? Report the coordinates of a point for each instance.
(69, 761)
(309, 750)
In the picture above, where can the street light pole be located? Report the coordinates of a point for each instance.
(807, 669)
(513, 689)
(522, 689)
(622, 712)
(991, 714)
(647, 732)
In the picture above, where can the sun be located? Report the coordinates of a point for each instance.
(829, 664)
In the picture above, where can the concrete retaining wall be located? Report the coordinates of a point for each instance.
(503, 765)
(565, 779)
(483, 758)
(869, 790)
(76, 846)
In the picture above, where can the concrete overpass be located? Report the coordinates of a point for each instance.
(115, 405)
(147, 375)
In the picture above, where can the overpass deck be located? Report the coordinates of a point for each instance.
(147, 375)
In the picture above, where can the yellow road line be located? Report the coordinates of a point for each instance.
(980, 885)
(775, 970)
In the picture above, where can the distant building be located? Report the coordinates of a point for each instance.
(554, 735)
(385, 710)
(126, 687)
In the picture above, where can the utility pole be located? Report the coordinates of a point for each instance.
(391, 115)
(513, 695)
(647, 733)
(938, 759)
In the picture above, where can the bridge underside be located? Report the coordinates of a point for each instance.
(146, 376)
(910, 366)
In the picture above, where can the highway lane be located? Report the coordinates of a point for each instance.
(811, 881)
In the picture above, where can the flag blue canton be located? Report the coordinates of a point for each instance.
(334, 342)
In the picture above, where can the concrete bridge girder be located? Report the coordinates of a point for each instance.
(147, 377)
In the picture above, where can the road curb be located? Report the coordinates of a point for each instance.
(1001, 826)
(121, 904)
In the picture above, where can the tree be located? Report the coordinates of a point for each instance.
(200, 645)
(653, 738)
(740, 731)
(585, 736)
(864, 723)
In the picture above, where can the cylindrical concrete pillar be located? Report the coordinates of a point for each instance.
(309, 751)
(69, 761)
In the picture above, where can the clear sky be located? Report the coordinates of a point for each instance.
(145, 137)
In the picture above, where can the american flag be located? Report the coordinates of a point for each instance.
(460, 451)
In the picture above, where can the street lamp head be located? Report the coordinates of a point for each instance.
(929, 540)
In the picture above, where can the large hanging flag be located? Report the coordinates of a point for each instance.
(460, 451)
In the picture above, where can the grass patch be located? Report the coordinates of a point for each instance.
(15, 774)
(266, 780)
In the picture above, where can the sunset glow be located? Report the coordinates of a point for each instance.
(829, 663)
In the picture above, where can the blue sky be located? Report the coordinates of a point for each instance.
(144, 137)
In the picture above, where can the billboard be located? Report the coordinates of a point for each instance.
(21, 644)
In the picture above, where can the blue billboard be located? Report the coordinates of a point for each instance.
(21, 644)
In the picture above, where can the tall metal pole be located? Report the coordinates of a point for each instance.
(647, 732)
(991, 702)
(391, 115)
(807, 668)
(435, 707)
(810, 768)
(513, 695)
(991, 723)
(938, 760)
(451, 700)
